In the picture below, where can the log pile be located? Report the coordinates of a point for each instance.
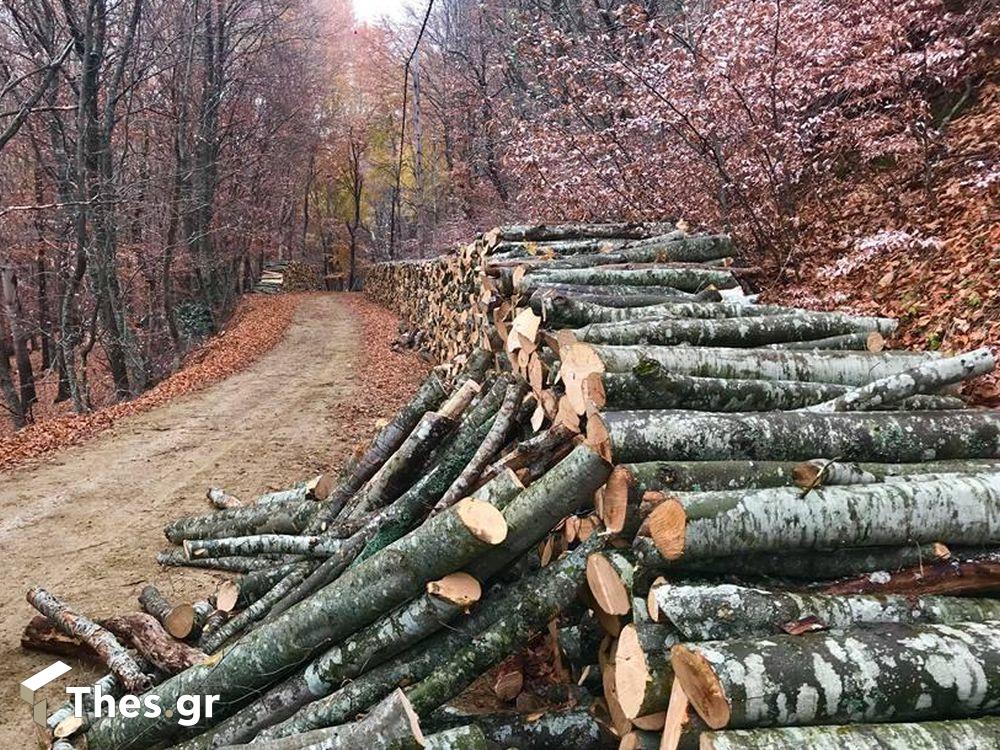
(722, 524)
(286, 276)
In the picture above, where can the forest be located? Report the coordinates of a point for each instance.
(155, 156)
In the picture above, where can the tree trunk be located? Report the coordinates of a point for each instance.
(799, 436)
(959, 578)
(564, 489)
(286, 544)
(928, 377)
(964, 510)
(153, 643)
(690, 280)
(390, 725)
(567, 728)
(844, 342)
(733, 332)
(533, 611)
(618, 296)
(108, 649)
(559, 232)
(468, 737)
(363, 651)
(886, 672)
(428, 397)
(493, 442)
(642, 669)
(725, 612)
(365, 592)
(566, 311)
(843, 368)
(967, 734)
(265, 518)
(19, 337)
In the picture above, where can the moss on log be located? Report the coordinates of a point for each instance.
(884, 672)
(721, 612)
(844, 368)
(728, 332)
(965, 734)
(891, 437)
(364, 593)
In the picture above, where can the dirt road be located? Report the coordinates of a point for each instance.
(87, 525)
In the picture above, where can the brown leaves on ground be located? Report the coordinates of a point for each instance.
(926, 252)
(258, 324)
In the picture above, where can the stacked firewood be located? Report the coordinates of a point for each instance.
(286, 276)
(718, 522)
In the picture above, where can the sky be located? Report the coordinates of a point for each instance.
(372, 10)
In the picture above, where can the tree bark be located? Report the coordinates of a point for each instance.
(390, 725)
(565, 311)
(924, 378)
(643, 675)
(728, 332)
(813, 566)
(263, 518)
(685, 279)
(624, 296)
(955, 578)
(104, 644)
(800, 436)
(963, 510)
(563, 490)
(248, 546)
(885, 672)
(530, 614)
(967, 734)
(365, 650)
(843, 368)
(493, 442)
(725, 612)
(468, 737)
(360, 596)
(568, 728)
(153, 643)
(428, 397)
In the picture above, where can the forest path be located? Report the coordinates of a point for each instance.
(87, 525)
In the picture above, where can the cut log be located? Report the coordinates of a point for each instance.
(928, 377)
(111, 653)
(401, 468)
(428, 397)
(468, 737)
(610, 577)
(40, 634)
(529, 616)
(685, 279)
(438, 547)
(240, 546)
(566, 311)
(563, 490)
(258, 564)
(568, 728)
(558, 232)
(153, 643)
(799, 436)
(967, 734)
(848, 341)
(222, 499)
(843, 368)
(390, 725)
(701, 476)
(722, 612)
(177, 620)
(962, 510)
(642, 669)
(729, 332)
(819, 472)
(268, 518)
(884, 672)
(682, 727)
(617, 296)
(649, 386)
(363, 651)
(493, 442)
